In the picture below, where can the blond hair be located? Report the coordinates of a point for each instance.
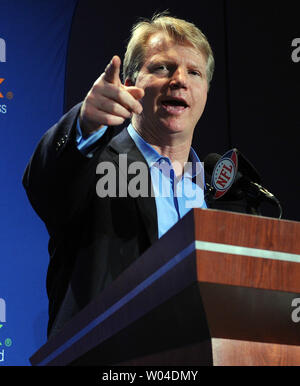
(181, 31)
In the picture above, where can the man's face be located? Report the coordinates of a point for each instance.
(174, 79)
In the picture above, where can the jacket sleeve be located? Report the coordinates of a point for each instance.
(58, 178)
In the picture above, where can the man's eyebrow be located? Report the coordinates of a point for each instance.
(165, 60)
(191, 65)
(173, 61)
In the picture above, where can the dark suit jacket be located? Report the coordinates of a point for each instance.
(92, 240)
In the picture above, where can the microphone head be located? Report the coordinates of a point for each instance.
(210, 162)
(242, 183)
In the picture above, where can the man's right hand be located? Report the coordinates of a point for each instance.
(109, 102)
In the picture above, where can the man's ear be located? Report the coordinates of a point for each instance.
(128, 82)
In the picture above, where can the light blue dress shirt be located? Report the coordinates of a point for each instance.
(174, 197)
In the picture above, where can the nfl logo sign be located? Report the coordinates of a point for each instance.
(224, 173)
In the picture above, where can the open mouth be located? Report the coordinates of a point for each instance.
(174, 105)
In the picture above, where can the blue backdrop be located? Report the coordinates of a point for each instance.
(34, 37)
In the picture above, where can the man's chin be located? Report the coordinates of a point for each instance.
(175, 126)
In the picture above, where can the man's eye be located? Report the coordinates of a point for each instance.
(194, 72)
(160, 68)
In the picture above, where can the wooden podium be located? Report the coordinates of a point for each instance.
(217, 289)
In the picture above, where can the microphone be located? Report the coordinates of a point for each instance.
(235, 174)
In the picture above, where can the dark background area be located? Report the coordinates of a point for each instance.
(253, 102)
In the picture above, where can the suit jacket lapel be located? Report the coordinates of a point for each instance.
(122, 144)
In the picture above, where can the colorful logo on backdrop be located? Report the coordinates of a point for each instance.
(224, 173)
(5, 342)
(5, 93)
(5, 96)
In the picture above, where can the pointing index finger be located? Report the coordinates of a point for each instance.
(112, 71)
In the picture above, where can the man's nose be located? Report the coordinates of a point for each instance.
(179, 79)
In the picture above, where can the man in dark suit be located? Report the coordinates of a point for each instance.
(95, 233)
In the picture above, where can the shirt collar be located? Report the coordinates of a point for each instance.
(191, 169)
